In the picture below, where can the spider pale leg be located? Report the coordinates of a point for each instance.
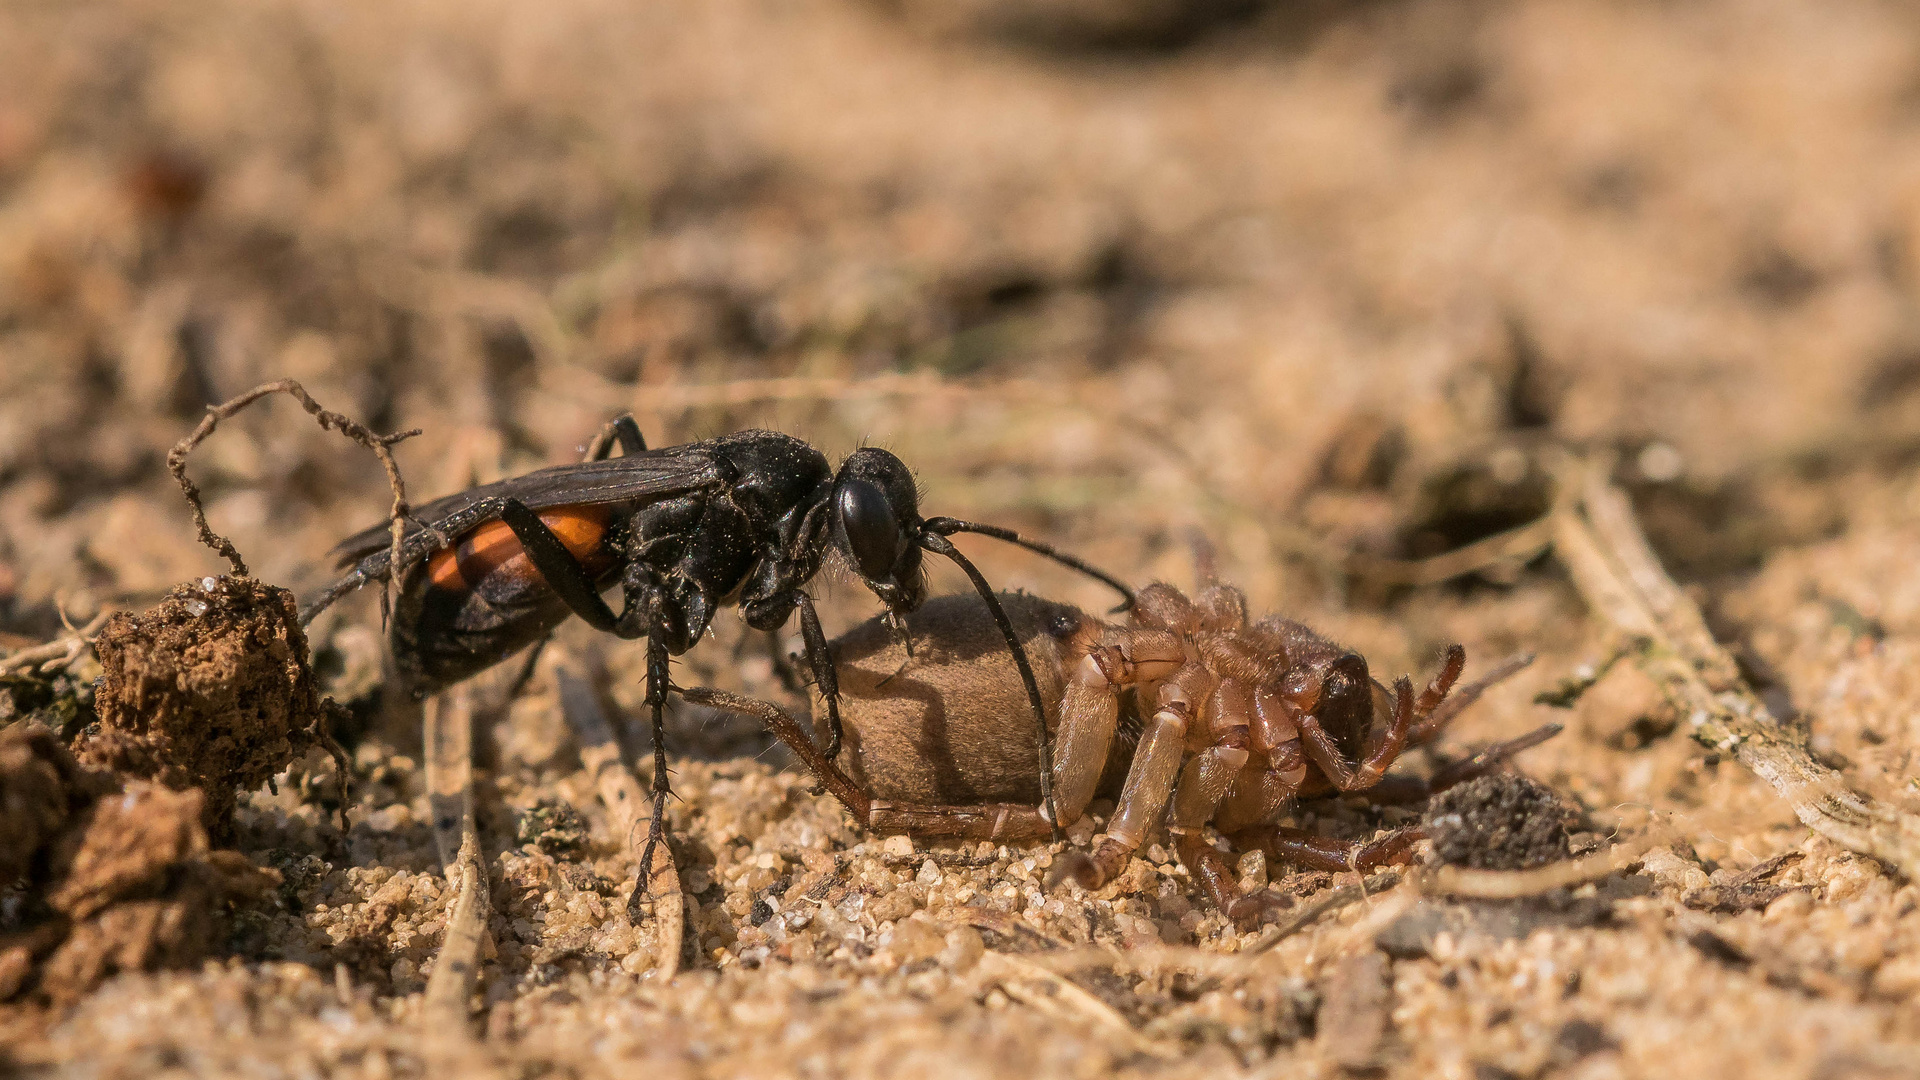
(1090, 710)
(1150, 780)
(1228, 717)
(1259, 796)
(1316, 852)
(1325, 753)
(1396, 790)
(1089, 716)
(1428, 725)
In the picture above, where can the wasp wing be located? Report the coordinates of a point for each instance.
(654, 474)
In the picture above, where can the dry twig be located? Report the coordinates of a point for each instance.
(1331, 900)
(58, 653)
(1599, 540)
(1040, 989)
(449, 738)
(381, 445)
(1513, 546)
(1514, 884)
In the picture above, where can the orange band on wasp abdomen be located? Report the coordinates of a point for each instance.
(491, 549)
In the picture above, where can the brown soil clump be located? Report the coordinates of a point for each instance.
(111, 880)
(209, 689)
(1499, 822)
(41, 787)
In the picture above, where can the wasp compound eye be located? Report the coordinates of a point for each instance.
(873, 533)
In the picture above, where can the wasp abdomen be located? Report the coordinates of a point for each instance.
(490, 560)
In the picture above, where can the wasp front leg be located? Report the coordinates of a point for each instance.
(820, 661)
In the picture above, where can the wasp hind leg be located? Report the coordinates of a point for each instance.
(570, 580)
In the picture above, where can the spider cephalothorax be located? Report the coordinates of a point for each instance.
(1239, 720)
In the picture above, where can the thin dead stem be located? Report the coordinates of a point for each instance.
(1598, 538)
(381, 445)
(59, 653)
(1513, 546)
(1048, 993)
(1513, 884)
(449, 739)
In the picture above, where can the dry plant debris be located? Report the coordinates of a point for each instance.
(1603, 547)
(381, 445)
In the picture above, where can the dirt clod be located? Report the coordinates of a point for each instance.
(109, 879)
(555, 828)
(1499, 822)
(143, 891)
(41, 787)
(211, 688)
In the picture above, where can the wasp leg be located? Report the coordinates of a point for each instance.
(568, 579)
(824, 676)
(658, 685)
(627, 433)
(794, 734)
(623, 431)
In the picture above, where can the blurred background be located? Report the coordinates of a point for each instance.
(1302, 278)
(1315, 289)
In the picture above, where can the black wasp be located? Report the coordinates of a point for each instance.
(744, 519)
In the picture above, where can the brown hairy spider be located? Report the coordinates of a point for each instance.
(1188, 706)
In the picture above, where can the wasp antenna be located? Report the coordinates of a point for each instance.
(325, 600)
(946, 526)
(938, 544)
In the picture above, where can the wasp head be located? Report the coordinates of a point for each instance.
(876, 523)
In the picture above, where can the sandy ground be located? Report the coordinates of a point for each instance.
(1306, 280)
